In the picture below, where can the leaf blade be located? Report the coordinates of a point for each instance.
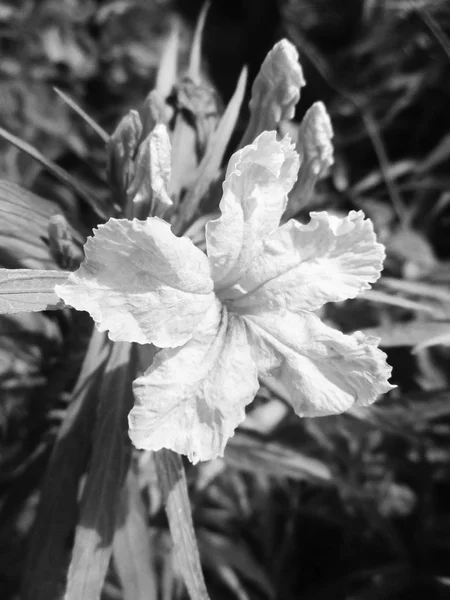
(109, 464)
(58, 172)
(210, 163)
(57, 510)
(28, 290)
(89, 120)
(172, 479)
(131, 547)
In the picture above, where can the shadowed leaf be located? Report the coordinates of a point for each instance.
(249, 453)
(89, 197)
(49, 548)
(131, 547)
(109, 464)
(24, 219)
(89, 120)
(209, 167)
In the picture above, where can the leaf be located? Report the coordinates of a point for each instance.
(375, 178)
(109, 464)
(209, 168)
(23, 204)
(89, 120)
(168, 64)
(384, 298)
(414, 249)
(28, 290)
(172, 479)
(427, 405)
(229, 557)
(409, 334)
(436, 340)
(251, 454)
(131, 547)
(438, 155)
(418, 288)
(95, 203)
(57, 511)
(24, 219)
(194, 70)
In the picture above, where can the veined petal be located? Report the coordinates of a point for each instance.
(325, 371)
(300, 267)
(141, 283)
(192, 398)
(275, 91)
(255, 190)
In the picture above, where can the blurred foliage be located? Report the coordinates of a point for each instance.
(346, 507)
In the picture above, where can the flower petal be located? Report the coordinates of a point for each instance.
(300, 267)
(275, 91)
(192, 398)
(254, 197)
(316, 155)
(121, 149)
(141, 283)
(324, 371)
(148, 191)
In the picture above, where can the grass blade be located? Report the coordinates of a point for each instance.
(384, 298)
(195, 57)
(96, 205)
(131, 548)
(109, 464)
(48, 554)
(251, 454)
(412, 333)
(89, 120)
(172, 480)
(209, 167)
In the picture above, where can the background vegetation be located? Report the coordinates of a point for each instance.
(355, 506)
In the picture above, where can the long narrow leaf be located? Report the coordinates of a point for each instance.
(48, 555)
(384, 298)
(210, 164)
(418, 288)
(89, 120)
(250, 454)
(168, 64)
(58, 172)
(109, 465)
(27, 290)
(195, 70)
(172, 479)
(411, 333)
(131, 548)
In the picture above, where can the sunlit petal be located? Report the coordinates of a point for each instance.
(316, 155)
(254, 197)
(324, 371)
(300, 267)
(141, 283)
(192, 398)
(275, 91)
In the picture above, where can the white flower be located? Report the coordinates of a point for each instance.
(245, 309)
